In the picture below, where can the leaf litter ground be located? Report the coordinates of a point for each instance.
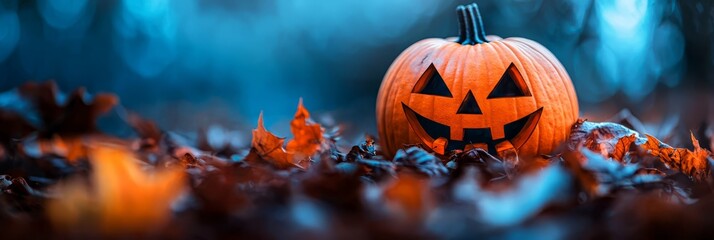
(60, 177)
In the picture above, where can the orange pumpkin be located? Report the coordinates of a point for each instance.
(476, 92)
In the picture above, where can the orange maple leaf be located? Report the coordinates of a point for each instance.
(694, 163)
(614, 141)
(270, 147)
(622, 146)
(308, 140)
(307, 135)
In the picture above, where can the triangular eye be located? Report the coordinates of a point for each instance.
(469, 105)
(510, 85)
(431, 83)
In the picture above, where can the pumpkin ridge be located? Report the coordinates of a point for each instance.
(556, 65)
(492, 47)
(518, 105)
(559, 69)
(402, 59)
(527, 47)
(482, 52)
(461, 81)
(435, 51)
(542, 86)
(551, 98)
(563, 76)
(548, 58)
(388, 86)
(448, 53)
(438, 52)
(564, 116)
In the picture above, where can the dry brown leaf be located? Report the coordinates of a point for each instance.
(307, 135)
(692, 163)
(614, 141)
(308, 140)
(622, 147)
(123, 198)
(75, 116)
(611, 140)
(270, 147)
(420, 160)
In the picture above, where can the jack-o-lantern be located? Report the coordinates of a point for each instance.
(476, 92)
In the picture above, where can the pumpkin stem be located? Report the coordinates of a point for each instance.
(470, 25)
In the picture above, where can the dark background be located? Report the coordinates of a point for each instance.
(190, 63)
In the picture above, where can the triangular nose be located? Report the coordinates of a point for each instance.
(469, 105)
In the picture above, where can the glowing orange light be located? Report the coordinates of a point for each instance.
(123, 197)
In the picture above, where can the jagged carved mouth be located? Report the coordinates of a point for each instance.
(516, 132)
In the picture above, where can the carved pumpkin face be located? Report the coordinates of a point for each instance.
(498, 95)
(488, 133)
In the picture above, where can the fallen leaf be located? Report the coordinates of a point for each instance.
(122, 197)
(492, 167)
(377, 169)
(614, 141)
(610, 175)
(75, 116)
(270, 147)
(307, 136)
(694, 164)
(419, 159)
(611, 140)
(365, 149)
(622, 147)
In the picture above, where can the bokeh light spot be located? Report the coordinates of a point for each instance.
(62, 14)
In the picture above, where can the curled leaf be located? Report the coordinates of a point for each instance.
(270, 147)
(615, 141)
(421, 160)
(694, 163)
(491, 166)
(611, 140)
(622, 147)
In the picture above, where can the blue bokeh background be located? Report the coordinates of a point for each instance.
(190, 63)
